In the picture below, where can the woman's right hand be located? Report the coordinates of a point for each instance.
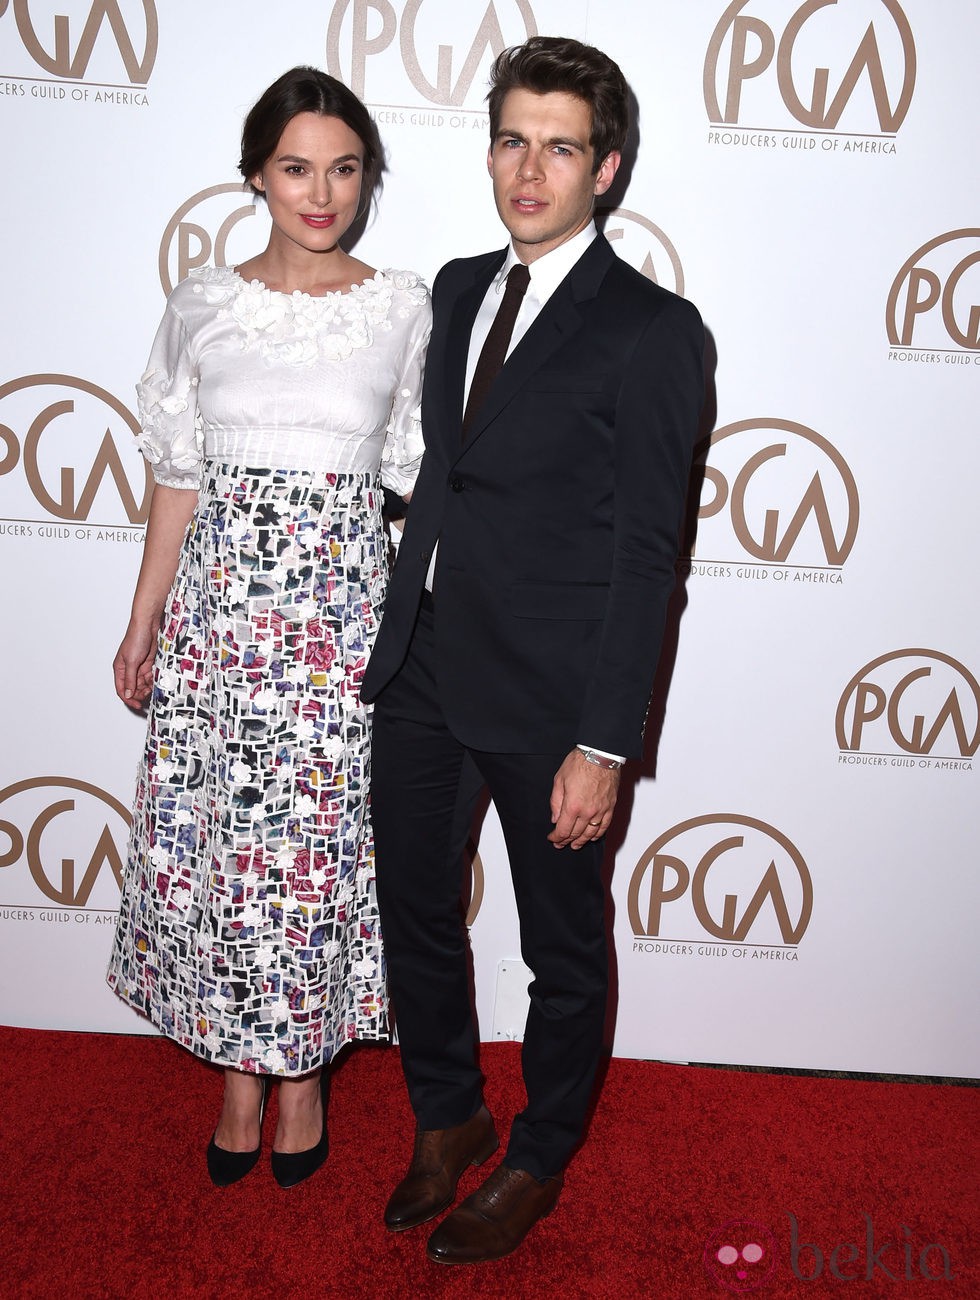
(132, 667)
(171, 510)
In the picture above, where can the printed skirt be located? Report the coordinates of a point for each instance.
(248, 929)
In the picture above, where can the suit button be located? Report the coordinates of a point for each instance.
(425, 557)
(456, 483)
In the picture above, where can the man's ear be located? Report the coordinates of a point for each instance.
(490, 160)
(607, 172)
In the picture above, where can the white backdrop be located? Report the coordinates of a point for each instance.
(795, 881)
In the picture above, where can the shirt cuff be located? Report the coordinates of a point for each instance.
(604, 752)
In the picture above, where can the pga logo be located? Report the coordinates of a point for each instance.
(934, 301)
(70, 836)
(444, 52)
(731, 877)
(67, 447)
(913, 702)
(98, 42)
(820, 65)
(776, 493)
(219, 226)
(644, 246)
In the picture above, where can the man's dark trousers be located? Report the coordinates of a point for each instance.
(425, 784)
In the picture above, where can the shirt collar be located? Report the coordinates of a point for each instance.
(547, 272)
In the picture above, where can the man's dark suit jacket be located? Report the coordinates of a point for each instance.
(558, 518)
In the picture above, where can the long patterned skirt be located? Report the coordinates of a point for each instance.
(248, 929)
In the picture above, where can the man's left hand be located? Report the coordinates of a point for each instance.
(582, 801)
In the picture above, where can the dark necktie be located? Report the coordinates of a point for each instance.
(494, 351)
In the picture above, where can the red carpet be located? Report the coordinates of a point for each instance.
(105, 1191)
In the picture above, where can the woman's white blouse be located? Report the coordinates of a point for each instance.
(245, 375)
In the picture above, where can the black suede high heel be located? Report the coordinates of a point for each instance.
(227, 1167)
(292, 1167)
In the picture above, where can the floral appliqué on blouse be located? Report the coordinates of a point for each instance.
(297, 328)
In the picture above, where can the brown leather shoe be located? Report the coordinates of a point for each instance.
(495, 1219)
(439, 1158)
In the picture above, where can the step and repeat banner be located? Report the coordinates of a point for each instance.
(794, 871)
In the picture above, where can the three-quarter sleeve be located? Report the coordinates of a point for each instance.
(403, 447)
(171, 436)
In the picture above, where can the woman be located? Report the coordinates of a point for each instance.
(248, 927)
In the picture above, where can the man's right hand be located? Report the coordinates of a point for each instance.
(582, 801)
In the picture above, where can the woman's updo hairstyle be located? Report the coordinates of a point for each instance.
(307, 90)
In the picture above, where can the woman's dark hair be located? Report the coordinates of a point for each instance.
(307, 90)
(545, 64)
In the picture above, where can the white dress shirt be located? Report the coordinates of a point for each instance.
(547, 273)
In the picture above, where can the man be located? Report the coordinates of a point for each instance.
(545, 521)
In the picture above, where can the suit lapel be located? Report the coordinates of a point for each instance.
(462, 316)
(560, 317)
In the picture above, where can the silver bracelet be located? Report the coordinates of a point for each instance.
(601, 760)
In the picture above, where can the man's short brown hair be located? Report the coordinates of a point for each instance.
(545, 64)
